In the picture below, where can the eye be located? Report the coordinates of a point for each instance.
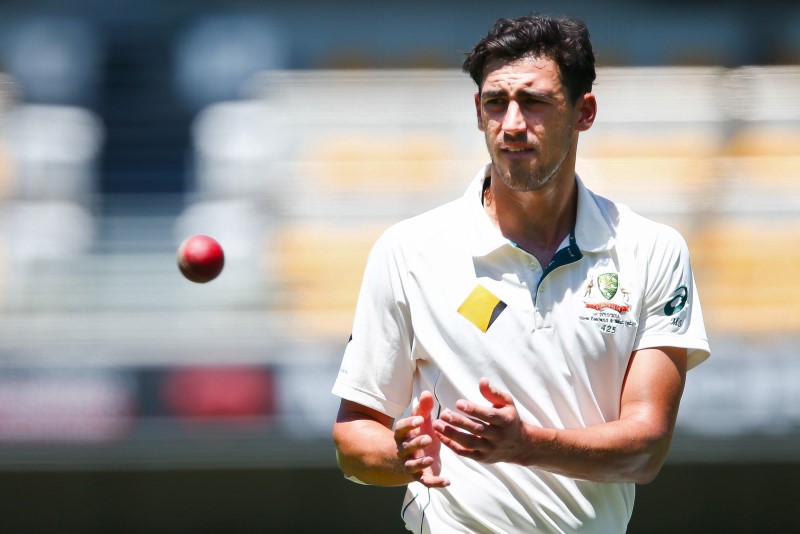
(494, 104)
(533, 103)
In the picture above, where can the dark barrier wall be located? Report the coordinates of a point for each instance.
(685, 498)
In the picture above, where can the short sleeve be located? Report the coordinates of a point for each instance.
(671, 314)
(377, 369)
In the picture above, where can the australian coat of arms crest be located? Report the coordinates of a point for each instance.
(608, 287)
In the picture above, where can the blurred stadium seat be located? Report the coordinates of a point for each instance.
(49, 185)
(54, 59)
(54, 151)
(345, 141)
(317, 273)
(9, 94)
(216, 53)
(747, 271)
(46, 230)
(759, 94)
(655, 138)
(237, 146)
(757, 172)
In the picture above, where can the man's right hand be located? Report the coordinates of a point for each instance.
(418, 446)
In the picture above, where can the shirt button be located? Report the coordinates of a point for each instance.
(532, 266)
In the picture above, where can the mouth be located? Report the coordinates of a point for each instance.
(517, 149)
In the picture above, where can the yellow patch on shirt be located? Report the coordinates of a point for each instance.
(481, 308)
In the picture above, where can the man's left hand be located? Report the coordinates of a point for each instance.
(487, 434)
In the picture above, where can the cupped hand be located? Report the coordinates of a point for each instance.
(487, 434)
(418, 445)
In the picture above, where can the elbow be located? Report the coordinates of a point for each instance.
(648, 472)
(343, 458)
(353, 461)
(346, 464)
(343, 464)
(355, 464)
(650, 461)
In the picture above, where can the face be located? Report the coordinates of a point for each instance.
(529, 122)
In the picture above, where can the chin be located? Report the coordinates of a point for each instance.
(524, 182)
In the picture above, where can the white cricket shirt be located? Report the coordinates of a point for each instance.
(446, 300)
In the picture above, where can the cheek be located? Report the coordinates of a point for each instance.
(492, 127)
(484, 120)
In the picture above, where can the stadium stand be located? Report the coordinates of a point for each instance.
(317, 274)
(335, 157)
(300, 174)
(747, 272)
(126, 126)
(366, 161)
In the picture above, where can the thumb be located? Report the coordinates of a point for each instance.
(495, 396)
(425, 405)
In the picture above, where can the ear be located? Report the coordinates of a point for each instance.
(587, 111)
(478, 111)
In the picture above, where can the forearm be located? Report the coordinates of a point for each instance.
(618, 451)
(632, 448)
(367, 451)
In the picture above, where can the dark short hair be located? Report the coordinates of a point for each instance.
(564, 40)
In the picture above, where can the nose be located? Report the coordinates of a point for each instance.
(513, 121)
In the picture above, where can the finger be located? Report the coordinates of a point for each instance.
(411, 447)
(473, 426)
(425, 405)
(453, 434)
(481, 414)
(415, 465)
(498, 398)
(459, 448)
(433, 481)
(404, 427)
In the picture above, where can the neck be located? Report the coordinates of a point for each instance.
(537, 221)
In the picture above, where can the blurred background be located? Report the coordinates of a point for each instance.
(294, 132)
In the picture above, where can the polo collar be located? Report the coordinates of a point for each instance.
(592, 232)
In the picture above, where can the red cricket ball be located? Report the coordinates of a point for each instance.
(200, 258)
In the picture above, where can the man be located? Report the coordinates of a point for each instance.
(518, 355)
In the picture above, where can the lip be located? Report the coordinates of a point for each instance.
(517, 151)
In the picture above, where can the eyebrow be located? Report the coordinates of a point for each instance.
(498, 93)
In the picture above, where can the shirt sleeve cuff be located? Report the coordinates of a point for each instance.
(369, 400)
